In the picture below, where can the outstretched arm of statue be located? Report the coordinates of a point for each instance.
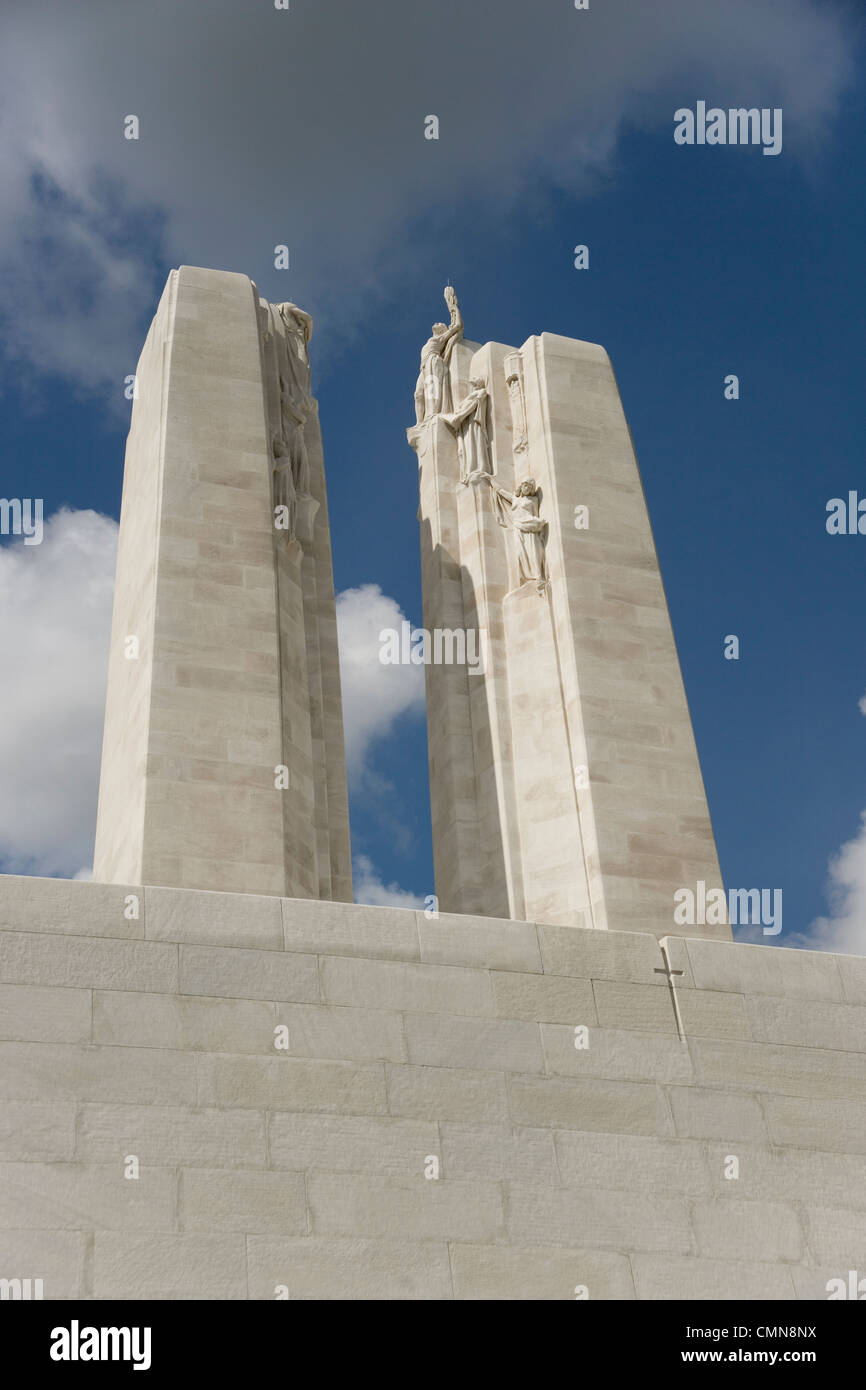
(452, 335)
(455, 328)
(459, 416)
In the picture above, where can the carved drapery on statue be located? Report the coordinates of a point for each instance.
(469, 421)
(518, 512)
(514, 381)
(292, 329)
(285, 492)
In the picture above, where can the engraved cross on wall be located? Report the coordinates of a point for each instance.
(669, 973)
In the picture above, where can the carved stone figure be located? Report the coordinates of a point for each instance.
(299, 330)
(514, 381)
(518, 511)
(285, 492)
(293, 417)
(296, 401)
(430, 388)
(469, 423)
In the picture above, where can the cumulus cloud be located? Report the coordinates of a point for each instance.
(845, 929)
(375, 696)
(261, 127)
(369, 887)
(55, 623)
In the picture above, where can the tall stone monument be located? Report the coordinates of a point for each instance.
(301, 1169)
(565, 782)
(223, 763)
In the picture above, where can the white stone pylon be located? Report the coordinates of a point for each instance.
(565, 781)
(223, 763)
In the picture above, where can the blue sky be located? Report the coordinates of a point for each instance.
(703, 262)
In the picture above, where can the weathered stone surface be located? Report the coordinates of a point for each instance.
(493, 945)
(668, 1276)
(237, 672)
(393, 985)
(261, 1203)
(341, 1032)
(605, 1218)
(36, 959)
(725, 1228)
(58, 1073)
(73, 906)
(453, 1093)
(182, 1023)
(550, 763)
(617, 1053)
(498, 1151)
(405, 1208)
(248, 974)
(430, 1130)
(816, 1123)
(443, 1040)
(43, 1014)
(618, 1106)
(169, 1266)
(72, 1196)
(351, 1143)
(40, 1130)
(716, 1114)
(328, 1267)
(290, 1083)
(757, 970)
(638, 1162)
(547, 1274)
(605, 955)
(350, 929)
(703, 1013)
(173, 1135)
(55, 1257)
(543, 998)
(230, 919)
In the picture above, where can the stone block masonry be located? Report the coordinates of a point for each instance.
(223, 764)
(229, 1096)
(565, 784)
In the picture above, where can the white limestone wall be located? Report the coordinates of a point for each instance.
(234, 677)
(119, 853)
(646, 824)
(463, 878)
(209, 664)
(326, 700)
(565, 781)
(303, 1169)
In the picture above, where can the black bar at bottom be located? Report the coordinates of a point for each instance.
(156, 1339)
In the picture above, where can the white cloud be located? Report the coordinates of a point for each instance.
(845, 929)
(260, 127)
(375, 696)
(369, 887)
(55, 623)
